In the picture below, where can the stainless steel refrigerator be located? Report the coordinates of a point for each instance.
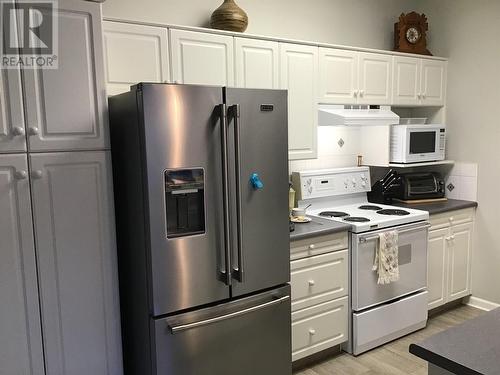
(201, 196)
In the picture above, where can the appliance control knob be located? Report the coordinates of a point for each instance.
(310, 190)
(311, 282)
(312, 331)
(363, 184)
(308, 181)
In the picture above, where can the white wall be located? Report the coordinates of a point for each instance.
(466, 32)
(362, 23)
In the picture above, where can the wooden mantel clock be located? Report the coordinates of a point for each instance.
(409, 34)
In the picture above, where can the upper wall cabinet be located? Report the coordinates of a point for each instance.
(12, 130)
(202, 58)
(299, 75)
(419, 81)
(66, 107)
(257, 63)
(133, 54)
(350, 77)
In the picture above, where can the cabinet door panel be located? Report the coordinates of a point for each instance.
(338, 76)
(299, 75)
(133, 54)
(74, 227)
(20, 332)
(406, 79)
(67, 105)
(201, 58)
(375, 78)
(433, 82)
(12, 133)
(460, 261)
(257, 63)
(437, 270)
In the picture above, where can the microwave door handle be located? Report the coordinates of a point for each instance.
(225, 274)
(401, 231)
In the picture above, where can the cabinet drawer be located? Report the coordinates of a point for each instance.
(318, 245)
(451, 218)
(319, 327)
(319, 279)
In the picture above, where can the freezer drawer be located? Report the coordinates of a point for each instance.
(387, 322)
(245, 337)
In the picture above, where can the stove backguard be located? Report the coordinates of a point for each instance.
(185, 202)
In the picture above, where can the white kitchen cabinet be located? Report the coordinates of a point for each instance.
(375, 78)
(351, 77)
(449, 256)
(202, 58)
(257, 63)
(66, 107)
(75, 241)
(319, 286)
(437, 267)
(133, 54)
(12, 127)
(338, 72)
(419, 82)
(299, 75)
(21, 349)
(433, 87)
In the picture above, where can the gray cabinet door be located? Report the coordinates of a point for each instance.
(75, 240)
(12, 133)
(20, 333)
(66, 107)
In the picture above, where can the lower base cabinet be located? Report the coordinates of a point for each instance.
(319, 294)
(58, 280)
(450, 256)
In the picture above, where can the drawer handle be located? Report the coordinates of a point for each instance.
(311, 282)
(312, 331)
(311, 246)
(451, 218)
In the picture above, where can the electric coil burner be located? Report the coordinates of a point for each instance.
(395, 212)
(333, 214)
(355, 219)
(370, 207)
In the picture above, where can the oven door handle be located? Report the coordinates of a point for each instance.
(405, 230)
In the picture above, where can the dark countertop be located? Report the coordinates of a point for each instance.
(438, 207)
(317, 227)
(470, 348)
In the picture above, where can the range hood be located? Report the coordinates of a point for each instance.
(354, 115)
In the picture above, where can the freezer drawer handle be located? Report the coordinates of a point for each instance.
(371, 238)
(184, 327)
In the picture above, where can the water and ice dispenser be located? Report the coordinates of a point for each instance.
(185, 204)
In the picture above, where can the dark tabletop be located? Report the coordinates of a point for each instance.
(470, 348)
(317, 227)
(438, 207)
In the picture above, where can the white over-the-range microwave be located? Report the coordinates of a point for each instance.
(417, 143)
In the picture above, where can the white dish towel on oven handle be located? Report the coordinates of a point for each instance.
(386, 258)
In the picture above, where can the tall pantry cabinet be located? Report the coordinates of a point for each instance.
(59, 310)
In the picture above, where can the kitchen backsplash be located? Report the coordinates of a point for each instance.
(338, 146)
(461, 183)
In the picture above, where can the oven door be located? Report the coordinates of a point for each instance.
(412, 266)
(423, 144)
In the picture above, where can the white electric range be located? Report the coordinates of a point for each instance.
(378, 313)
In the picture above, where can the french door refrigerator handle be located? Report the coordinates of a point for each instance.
(184, 327)
(226, 273)
(238, 272)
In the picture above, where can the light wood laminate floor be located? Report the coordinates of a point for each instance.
(392, 358)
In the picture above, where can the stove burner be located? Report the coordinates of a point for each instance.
(355, 219)
(370, 207)
(394, 212)
(333, 214)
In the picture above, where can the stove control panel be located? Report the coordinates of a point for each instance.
(331, 182)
